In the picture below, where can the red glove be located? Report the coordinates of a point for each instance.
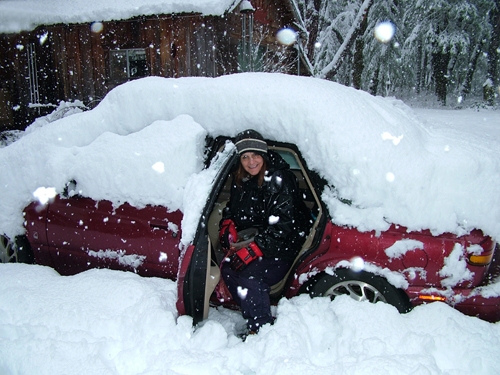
(227, 234)
(244, 256)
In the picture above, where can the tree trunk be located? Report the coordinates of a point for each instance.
(358, 63)
(493, 49)
(375, 81)
(420, 68)
(308, 24)
(440, 62)
(314, 29)
(467, 85)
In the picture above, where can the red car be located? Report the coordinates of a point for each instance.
(74, 233)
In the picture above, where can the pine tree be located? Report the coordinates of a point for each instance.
(440, 46)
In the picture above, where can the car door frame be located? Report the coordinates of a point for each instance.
(197, 277)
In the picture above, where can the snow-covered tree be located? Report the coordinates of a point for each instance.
(327, 32)
(381, 53)
(449, 47)
(440, 40)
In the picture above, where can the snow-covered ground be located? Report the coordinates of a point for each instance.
(111, 322)
(426, 168)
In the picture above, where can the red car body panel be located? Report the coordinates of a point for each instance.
(184, 265)
(341, 244)
(143, 240)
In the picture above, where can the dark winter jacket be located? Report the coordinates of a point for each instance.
(276, 209)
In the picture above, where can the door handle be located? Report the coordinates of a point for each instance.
(163, 226)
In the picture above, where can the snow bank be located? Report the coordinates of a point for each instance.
(111, 322)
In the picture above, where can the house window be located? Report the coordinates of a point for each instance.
(128, 64)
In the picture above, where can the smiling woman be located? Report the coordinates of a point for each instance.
(265, 196)
(252, 162)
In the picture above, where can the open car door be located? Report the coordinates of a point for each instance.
(198, 276)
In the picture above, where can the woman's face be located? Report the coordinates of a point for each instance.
(252, 162)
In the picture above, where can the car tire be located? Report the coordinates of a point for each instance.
(15, 251)
(361, 286)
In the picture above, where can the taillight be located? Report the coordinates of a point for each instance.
(480, 260)
(484, 256)
(431, 298)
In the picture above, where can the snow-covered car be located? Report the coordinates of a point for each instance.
(145, 194)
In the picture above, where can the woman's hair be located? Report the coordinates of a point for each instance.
(240, 174)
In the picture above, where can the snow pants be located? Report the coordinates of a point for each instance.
(250, 288)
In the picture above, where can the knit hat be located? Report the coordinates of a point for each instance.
(250, 140)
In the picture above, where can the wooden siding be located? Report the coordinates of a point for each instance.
(175, 47)
(73, 63)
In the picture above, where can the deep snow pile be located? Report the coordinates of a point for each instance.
(117, 323)
(374, 151)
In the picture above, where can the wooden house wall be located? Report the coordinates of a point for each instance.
(175, 47)
(8, 87)
(14, 80)
(73, 62)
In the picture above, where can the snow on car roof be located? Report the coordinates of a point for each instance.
(373, 151)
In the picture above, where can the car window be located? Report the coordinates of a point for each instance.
(289, 158)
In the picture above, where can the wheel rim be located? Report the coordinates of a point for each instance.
(357, 290)
(8, 250)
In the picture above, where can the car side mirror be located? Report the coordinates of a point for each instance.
(70, 190)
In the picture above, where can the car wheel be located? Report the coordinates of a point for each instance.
(361, 286)
(15, 251)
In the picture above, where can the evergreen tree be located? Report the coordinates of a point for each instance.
(381, 54)
(440, 46)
